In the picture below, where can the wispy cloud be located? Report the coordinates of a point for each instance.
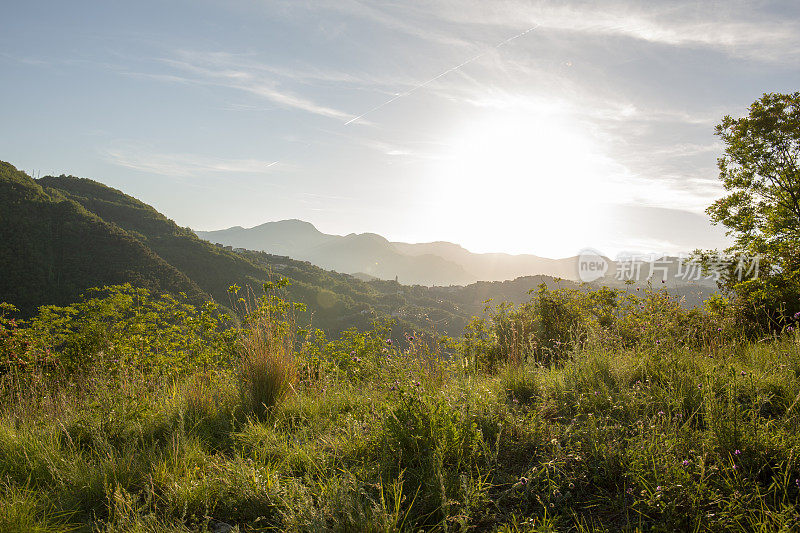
(144, 158)
(525, 78)
(230, 71)
(25, 60)
(249, 81)
(413, 19)
(739, 28)
(735, 27)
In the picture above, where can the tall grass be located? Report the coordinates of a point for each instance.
(267, 366)
(380, 437)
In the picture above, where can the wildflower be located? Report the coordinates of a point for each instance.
(719, 329)
(796, 316)
(797, 482)
(685, 462)
(743, 373)
(661, 413)
(572, 485)
(658, 488)
(388, 342)
(789, 329)
(737, 452)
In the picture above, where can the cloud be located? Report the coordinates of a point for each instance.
(532, 78)
(408, 18)
(142, 157)
(33, 61)
(736, 28)
(220, 70)
(253, 83)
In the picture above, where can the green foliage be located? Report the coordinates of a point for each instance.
(54, 249)
(25, 511)
(433, 449)
(761, 172)
(555, 323)
(120, 327)
(209, 267)
(641, 422)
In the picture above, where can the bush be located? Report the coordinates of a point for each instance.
(555, 324)
(268, 366)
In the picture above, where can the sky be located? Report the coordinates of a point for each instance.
(505, 126)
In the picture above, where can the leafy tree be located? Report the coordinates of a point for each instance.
(760, 169)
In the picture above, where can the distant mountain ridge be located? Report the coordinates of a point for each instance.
(438, 263)
(63, 235)
(432, 263)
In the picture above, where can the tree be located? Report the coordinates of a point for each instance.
(760, 169)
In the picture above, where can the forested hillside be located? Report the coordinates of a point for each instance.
(54, 249)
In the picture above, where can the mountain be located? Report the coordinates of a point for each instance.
(365, 253)
(54, 249)
(285, 237)
(492, 266)
(374, 255)
(434, 263)
(63, 235)
(209, 267)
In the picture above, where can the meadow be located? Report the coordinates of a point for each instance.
(579, 411)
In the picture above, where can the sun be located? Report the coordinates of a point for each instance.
(521, 183)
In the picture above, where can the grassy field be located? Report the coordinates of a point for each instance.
(651, 434)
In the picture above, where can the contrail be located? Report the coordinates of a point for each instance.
(445, 73)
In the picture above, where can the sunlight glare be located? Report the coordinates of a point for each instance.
(521, 183)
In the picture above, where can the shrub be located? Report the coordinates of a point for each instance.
(268, 366)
